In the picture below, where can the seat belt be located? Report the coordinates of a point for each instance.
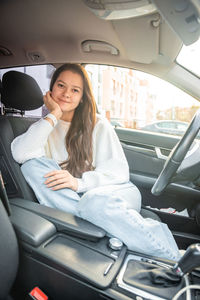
(4, 196)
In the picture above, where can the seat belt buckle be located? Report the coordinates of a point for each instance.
(37, 294)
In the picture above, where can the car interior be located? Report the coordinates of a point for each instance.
(49, 254)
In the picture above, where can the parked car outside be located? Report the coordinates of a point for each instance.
(167, 127)
(116, 123)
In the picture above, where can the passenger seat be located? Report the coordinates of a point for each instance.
(9, 253)
(19, 93)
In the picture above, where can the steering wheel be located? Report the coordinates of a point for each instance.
(177, 156)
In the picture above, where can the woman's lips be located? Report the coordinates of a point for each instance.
(64, 101)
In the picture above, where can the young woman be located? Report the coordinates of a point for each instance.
(73, 160)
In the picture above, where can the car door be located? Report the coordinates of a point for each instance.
(178, 206)
(135, 99)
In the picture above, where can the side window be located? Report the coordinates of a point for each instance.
(136, 100)
(42, 74)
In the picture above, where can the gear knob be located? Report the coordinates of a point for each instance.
(189, 261)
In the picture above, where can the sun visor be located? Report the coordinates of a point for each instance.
(139, 34)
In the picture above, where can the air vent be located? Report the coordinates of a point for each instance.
(5, 51)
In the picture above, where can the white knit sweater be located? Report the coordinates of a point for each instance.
(42, 139)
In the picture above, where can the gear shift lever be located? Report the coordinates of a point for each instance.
(189, 261)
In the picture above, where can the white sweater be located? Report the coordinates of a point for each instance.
(109, 161)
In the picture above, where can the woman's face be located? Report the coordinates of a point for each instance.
(67, 91)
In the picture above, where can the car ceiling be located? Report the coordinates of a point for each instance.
(57, 31)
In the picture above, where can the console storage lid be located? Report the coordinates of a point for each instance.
(64, 222)
(90, 261)
(31, 228)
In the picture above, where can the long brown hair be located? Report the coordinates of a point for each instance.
(79, 135)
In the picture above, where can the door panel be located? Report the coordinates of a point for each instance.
(144, 152)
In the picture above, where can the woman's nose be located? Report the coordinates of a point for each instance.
(66, 93)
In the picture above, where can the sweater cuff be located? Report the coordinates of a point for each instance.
(53, 118)
(81, 186)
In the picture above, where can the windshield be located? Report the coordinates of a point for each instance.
(189, 57)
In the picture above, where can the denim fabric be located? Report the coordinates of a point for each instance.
(108, 209)
(34, 171)
(115, 208)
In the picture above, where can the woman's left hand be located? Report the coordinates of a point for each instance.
(52, 105)
(60, 179)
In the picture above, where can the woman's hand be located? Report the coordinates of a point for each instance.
(60, 179)
(52, 106)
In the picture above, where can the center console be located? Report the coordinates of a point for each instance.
(70, 258)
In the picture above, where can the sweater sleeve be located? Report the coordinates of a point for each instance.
(111, 166)
(31, 144)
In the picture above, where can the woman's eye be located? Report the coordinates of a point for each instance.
(75, 91)
(60, 85)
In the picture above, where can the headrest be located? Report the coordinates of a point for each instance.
(20, 91)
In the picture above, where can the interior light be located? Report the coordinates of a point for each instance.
(119, 9)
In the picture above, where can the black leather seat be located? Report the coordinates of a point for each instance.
(20, 92)
(9, 255)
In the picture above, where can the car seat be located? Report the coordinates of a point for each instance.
(20, 92)
(9, 254)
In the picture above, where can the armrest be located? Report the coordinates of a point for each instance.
(30, 227)
(63, 221)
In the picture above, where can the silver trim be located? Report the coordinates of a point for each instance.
(108, 268)
(159, 153)
(135, 290)
(115, 244)
(189, 153)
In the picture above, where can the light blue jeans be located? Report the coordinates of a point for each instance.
(115, 208)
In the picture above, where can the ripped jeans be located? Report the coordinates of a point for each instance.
(115, 208)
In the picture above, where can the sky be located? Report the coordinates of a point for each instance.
(168, 95)
(189, 57)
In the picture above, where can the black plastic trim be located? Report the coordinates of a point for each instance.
(63, 221)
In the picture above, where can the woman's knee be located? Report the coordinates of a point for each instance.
(38, 167)
(41, 162)
(108, 198)
(126, 195)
